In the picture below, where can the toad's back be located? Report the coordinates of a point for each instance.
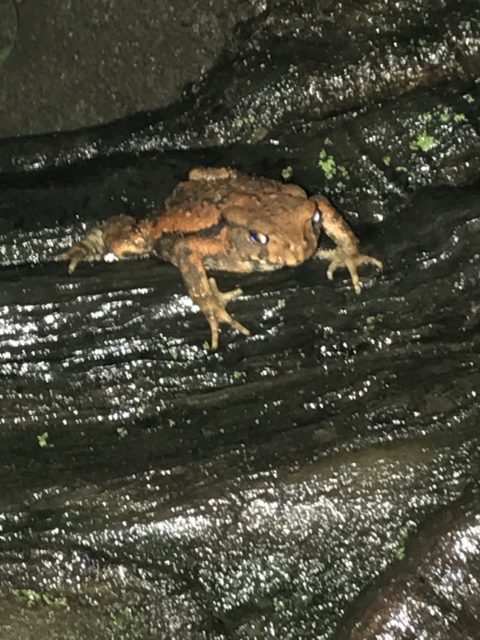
(227, 188)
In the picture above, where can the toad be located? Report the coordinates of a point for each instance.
(222, 220)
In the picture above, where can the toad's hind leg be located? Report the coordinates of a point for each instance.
(121, 235)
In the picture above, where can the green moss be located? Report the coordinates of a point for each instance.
(446, 115)
(120, 621)
(400, 553)
(442, 115)
(387, 160)
(287, 172)
(247, 121)
(327, 164)
(8, 28)
(38, 598)
(423, 142)
(426, 117)
(122, 432)
(42, 439)
(401, 550)
(4, 53)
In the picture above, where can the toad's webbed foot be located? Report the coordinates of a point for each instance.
(351, 260)
(216, 313)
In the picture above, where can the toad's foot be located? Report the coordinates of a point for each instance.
(90, 249)
(339, 258)
(216, 313)
(121, 236)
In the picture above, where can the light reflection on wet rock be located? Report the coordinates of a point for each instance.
(435, 592)
(266, 551)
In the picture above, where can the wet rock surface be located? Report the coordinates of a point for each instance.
(156, 489)
(436, 591)
(318, 479)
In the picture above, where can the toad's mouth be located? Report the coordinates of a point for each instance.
(269, 266)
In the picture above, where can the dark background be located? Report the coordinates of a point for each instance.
(80, 63)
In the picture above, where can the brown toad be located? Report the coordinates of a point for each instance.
(223, 220)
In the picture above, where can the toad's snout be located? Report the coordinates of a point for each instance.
(299, 249)
(294, 253)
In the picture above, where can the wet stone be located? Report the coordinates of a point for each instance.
(316, 479)
(435, 590)
(153, 486)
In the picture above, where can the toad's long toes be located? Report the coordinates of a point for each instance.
(221, 316)
(332, 267)
(352, 265)
(73, 255)
(224, 297)
(364, 259)
(351, 260)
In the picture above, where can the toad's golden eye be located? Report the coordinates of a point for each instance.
(258, 237)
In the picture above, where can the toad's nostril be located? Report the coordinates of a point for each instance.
(293, 255)
(296, 248)
(292, 247)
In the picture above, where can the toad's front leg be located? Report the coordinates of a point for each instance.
(189, 255)
(121, 235)
(347, 253)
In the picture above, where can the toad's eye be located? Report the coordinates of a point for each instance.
(261, 238)
(317, 216)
